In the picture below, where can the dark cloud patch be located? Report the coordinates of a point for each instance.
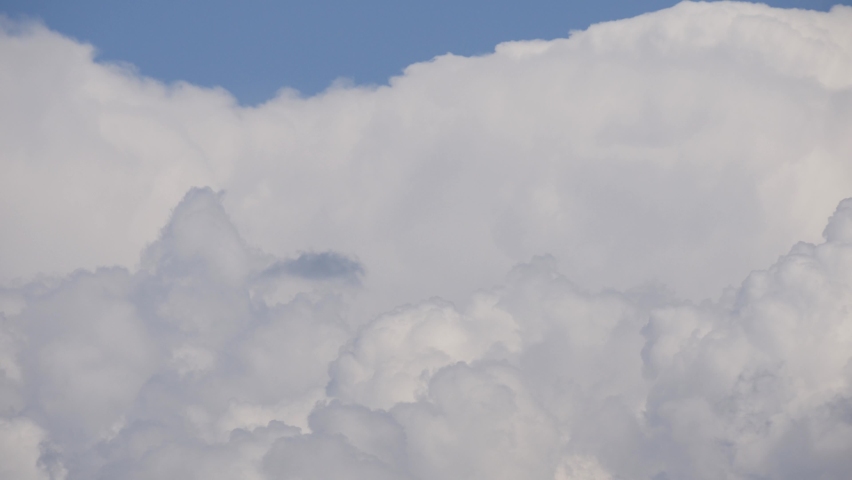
(318, 266)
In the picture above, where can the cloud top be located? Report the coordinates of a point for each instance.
(705, 137)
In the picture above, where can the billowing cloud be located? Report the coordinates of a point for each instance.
(185, 369)
(568, 259)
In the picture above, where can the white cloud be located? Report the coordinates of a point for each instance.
(342, 306)
(393, 357)
(704, 137)
(20, 452)
(181, 369)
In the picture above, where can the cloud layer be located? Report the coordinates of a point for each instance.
(376, 294)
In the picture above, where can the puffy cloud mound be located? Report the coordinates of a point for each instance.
(369, 287)
(186, 368)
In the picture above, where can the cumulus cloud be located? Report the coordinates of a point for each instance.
(181, 369)
(568, 259)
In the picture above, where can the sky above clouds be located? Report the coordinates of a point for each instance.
(622, 253)
(253, 48)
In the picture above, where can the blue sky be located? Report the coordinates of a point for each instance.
(253, 48)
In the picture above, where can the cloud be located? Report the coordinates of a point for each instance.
(182, 369)
(318, 266)
(19, 450)
(549, 262)
(705, 137)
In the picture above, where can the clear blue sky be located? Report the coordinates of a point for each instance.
(254, 47)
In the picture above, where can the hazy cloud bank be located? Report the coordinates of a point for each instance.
(413, 281)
